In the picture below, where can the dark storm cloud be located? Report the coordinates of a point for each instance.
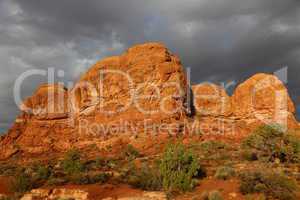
(221, 40)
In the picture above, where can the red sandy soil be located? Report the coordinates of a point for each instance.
(4, 185)
(227, 188)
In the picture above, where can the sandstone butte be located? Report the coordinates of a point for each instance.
(69, 117)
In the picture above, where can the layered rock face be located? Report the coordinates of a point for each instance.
(142, 91)
(144, 87)
(262, 99)
(213, 109)
(48, 102)
(211, 100)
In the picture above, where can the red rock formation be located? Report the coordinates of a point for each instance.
(211, 100)
(263, 98)
(146, 84)
(141, 91)
(48, 102)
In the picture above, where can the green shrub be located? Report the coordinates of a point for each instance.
(215, 195)
(84, 178)
(224, 173)
(55, 181)
(249, 155)
(21, 183)
(131, 152)
(72, 162)
(99, 178)
(255, 197)
(178, 168)
(146, 178)
(272, 184)
(78, 179)
(271, 142)
(214, 150)
(212, 146)
(43, 172)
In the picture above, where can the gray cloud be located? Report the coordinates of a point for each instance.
(219, 40)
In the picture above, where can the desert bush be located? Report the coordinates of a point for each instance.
(271, 142)
(212, 146)
(271, 183)
(99, 178)
(255, 197)
(55, 181)
(178, 168)
(214, 150)
(131, 152)
(22, 182)
(71, 163)
(213, 195)
(78, 178)
(249, 155)
(224, 173)
(85, 178)
(43, 172)
(146, 178)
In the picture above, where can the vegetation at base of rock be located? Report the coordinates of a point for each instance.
(212, 150)
(255, 197)
(22, 182)
(271, 143)
(176, 171)
(179, 167)
(272, 183)
(43, 172)
(224, 173)
(146, 177)
(72, 163)
(131, 152)
(212, 195)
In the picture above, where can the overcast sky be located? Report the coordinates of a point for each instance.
(221, 40)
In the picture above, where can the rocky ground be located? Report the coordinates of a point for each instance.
(117, 165)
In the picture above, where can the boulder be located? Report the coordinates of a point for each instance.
(211, 100)
(48, 102)
(264, 99)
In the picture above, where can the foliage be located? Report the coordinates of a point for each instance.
(224, 172)
(146, 178)
(271, 142)
(178, 168)
(84, 178)
(214, 150)
(213, 195)
(43, 172)
(131, 152)
(255, 197)
(22, 182)
(72, 162)
(99, 178)
(271, 183)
